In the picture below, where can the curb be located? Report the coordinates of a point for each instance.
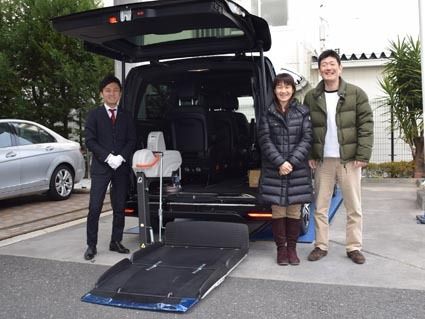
(390, 180)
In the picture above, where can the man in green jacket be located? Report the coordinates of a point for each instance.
(342, 144)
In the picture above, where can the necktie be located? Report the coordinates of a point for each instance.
(112, 115)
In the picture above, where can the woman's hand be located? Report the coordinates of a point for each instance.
(285, 168)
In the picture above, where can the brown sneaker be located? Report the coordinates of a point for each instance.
(356, 256)
(317, 254)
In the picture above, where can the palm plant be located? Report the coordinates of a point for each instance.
(403, 87)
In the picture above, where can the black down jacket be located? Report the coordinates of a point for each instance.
(285, 138)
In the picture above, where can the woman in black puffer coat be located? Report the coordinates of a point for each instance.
(285, 138)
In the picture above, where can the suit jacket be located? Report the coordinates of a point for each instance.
(103, 138)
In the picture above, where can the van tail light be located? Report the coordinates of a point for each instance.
(260, 214)
(129, 211)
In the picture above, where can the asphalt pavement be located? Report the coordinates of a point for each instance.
(43, 273)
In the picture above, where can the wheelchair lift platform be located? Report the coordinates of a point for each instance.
(174, 275)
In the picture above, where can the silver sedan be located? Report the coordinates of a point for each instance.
(35, 159)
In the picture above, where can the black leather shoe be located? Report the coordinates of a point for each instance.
(90, 253)
(118, 247)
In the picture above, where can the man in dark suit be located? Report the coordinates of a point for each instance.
(111, 137)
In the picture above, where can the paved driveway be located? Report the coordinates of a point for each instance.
(28, 214)
(43, 274)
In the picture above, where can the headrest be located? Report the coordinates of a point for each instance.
(156, 141)
(186, 90)
(231, 102)
(188, 94)
(214, 102)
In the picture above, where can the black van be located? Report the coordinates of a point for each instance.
(204, 82)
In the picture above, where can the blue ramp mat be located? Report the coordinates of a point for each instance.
(308, 237)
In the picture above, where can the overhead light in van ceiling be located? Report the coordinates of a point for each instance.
(198, 70)
(235, 9)
(125, 15)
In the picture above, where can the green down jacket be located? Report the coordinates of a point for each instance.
(354, 120)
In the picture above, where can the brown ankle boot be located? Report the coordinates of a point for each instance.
(292, 233)
(279, 235)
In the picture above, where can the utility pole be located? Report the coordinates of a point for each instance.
(323, 28)
(422, 42)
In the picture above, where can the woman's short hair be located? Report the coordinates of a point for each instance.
(284, 78)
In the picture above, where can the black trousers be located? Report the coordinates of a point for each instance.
(99, 184)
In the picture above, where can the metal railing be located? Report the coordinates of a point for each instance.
(388, 146)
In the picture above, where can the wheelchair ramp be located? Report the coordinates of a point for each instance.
(173, 276)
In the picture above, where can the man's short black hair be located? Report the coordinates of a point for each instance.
(110, 78)
(329, 53)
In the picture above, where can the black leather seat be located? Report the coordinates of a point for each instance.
(192, 134)
(224, 131)
(241, 135)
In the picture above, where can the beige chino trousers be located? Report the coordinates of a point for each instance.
(348, 177)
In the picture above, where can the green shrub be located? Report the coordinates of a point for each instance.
(390, 169)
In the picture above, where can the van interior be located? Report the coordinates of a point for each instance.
(207, 113)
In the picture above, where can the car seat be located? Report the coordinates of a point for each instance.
(192, 133)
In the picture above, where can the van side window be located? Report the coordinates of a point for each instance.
(246, 106)
(156, 101)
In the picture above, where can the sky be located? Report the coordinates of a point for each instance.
(368, 25)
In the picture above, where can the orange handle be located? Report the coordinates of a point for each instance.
(148, 165)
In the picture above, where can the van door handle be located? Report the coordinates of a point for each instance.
(10, 154)
(49, 148)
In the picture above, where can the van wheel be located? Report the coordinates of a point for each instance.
(61, 183)
(305, 218)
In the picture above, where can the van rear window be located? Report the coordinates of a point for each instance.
(219, 33)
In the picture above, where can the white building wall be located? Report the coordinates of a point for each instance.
(368, 79)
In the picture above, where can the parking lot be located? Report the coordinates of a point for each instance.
(43, 273)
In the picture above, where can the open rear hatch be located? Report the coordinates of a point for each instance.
(166, 29)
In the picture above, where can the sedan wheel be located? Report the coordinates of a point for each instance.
(61, 183)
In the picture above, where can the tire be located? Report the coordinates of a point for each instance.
(61, 183)
(305, 218)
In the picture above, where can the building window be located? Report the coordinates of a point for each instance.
(275, 12)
